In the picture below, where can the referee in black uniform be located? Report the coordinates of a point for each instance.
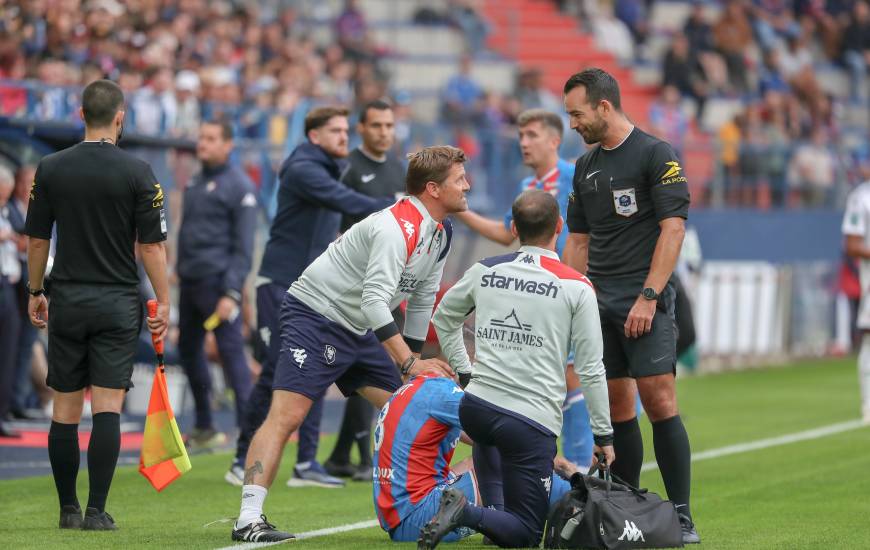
(626, 219)
(102, 201)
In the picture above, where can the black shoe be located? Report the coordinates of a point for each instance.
(339, 469)
(98, 521)
(70, 517)
(445, 520)
(690, 536)
(363, 473)
(260, 531)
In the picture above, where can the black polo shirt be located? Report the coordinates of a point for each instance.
(373, 178)
(620, 195)
(102, 199)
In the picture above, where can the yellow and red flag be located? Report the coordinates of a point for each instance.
(163, 458)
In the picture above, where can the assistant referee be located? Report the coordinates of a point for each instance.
(101, 200)
(626, 219)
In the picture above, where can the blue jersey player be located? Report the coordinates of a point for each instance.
(416, 435)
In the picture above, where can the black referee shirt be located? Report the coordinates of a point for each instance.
(620, 196)
(373, 178)
(102, 199)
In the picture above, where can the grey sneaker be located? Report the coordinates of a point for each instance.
(690, 535)
(363, 473)
(312, 474)
(208, 440)
(235, 475)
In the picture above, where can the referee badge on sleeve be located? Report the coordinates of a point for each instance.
(625, 201)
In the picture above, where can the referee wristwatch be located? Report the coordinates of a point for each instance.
(649, 293)
(34, 292)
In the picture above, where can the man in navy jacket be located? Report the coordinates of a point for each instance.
(311, 202)
(215, 245)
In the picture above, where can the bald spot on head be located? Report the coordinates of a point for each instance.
(536, 214)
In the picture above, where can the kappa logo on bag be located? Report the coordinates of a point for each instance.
(631, 532)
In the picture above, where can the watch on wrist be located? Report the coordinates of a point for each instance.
(36, 292)
(650, 293)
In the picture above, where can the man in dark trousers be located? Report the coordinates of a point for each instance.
(375, 173)
(10, 322)
(311, 201)
(627, 220)
(102, 200)
(215, 246)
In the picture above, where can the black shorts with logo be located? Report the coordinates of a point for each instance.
(654, 352)
(93, 332)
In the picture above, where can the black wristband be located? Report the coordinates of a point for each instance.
(407, 364)
(416, 346)
(387, 331)
(603, 440)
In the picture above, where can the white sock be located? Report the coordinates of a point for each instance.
(252, 504)
(864, 373)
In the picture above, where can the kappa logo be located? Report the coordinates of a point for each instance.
(265, 336)
(329, 354)
(157, 201)
(409, 228)
(210, 186)
(367, 178)
(631, 533)
(547, 481)
(527, 259)
(299, 355)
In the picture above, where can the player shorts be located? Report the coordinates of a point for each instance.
(653, 353)
(409, 529)
(316, 352)
(93, 333)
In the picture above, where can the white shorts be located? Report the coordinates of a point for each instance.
(863, 320)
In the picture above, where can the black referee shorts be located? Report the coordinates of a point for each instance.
(93, 332)
(653, 353)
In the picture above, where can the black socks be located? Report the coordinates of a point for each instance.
(674, 458)
(355, 427)
(628, 446)
(103, 457)
(63, 453)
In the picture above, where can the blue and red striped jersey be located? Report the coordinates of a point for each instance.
(415, 437)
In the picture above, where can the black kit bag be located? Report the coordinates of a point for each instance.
(599, 512)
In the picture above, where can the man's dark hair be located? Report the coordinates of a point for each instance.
(225, 125)
(377, 105)
(599, 85)
(320, 116)
(100, 101)
(536, 214)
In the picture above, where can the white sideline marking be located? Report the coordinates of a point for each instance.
(310, 534)
(814, 433)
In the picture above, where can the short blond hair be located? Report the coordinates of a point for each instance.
(431, 164)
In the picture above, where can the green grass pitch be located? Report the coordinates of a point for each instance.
(809, 494)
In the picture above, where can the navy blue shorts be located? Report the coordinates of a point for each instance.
(316, 352)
